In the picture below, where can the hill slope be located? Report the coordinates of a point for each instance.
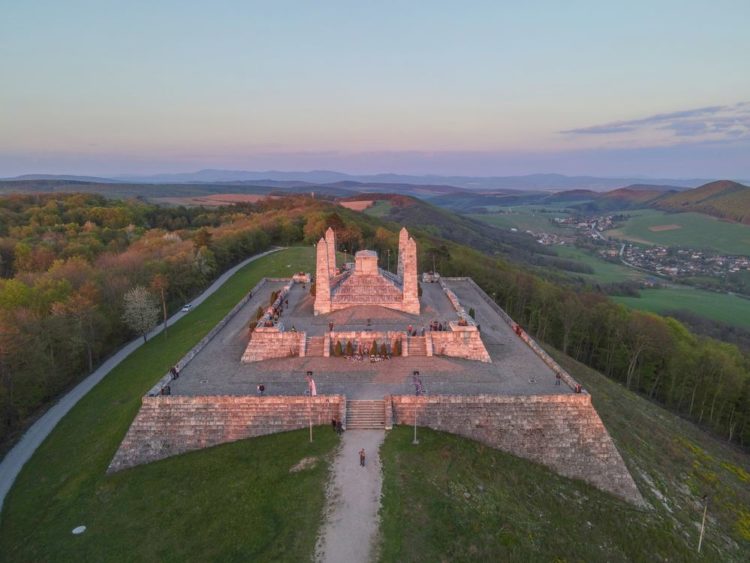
(454, 499)
(723, 199)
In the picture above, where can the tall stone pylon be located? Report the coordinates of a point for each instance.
(403, 239)
(331, 242)
(322, 279)
(411, 283)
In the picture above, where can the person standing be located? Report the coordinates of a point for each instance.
(362, 457)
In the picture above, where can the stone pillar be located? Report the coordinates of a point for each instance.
(410, 302)
(331, 242)
(322, 279)
(403, 239)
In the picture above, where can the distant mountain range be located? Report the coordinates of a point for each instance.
(275, 178)
(529, 182)
(723, 199)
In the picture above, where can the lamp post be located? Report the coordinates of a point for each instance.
(415, 377)
(388, 254)
(703, 523)
(310, 388)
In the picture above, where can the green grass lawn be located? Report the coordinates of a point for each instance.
(524, 218)
(233, 502)
(722, 307)
(696, 231)
(451, 499)
(381, 208)
(604, 271)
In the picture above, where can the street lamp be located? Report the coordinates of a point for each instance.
(703, 523)
(417, 385)
(310, 390)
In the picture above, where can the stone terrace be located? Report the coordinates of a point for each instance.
(515, 370)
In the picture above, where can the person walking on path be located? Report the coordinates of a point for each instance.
(362, 457)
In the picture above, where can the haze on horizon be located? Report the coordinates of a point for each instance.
(487, 88)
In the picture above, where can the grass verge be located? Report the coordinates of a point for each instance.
(233, 502)
(451, 499)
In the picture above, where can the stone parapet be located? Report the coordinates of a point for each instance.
(172, 425)
(563, 432)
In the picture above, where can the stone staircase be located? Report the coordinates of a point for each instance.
(365, 415)
(417, 346)
(314, 346)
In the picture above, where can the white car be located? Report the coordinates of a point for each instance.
(187, 308)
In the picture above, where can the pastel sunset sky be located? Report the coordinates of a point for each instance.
(649, 88)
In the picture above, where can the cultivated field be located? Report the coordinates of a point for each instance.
(721, 307)
(359, 205)
(524, 218)
(381, 208)
(604, 271)
(685, 229)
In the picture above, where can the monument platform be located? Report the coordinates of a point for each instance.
(515, 368)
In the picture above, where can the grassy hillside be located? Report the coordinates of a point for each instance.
(723, 307)
(450, 499)
(233, 502)
(724, 199)
(694, 230)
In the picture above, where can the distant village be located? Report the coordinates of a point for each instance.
(673, 262)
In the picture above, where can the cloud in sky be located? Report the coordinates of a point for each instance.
(711, 123)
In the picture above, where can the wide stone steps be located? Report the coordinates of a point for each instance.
(365, 415)
(417, 346)
(314, 346)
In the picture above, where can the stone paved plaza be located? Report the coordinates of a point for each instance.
(515, 368)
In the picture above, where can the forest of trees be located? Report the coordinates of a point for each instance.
(67, 261)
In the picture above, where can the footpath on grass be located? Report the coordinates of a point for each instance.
(350, 530)
(14, 461)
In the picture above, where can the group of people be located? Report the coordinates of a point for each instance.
(337, 426)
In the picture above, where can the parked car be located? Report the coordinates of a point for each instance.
(187, 308)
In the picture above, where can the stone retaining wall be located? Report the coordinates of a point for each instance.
(459, 344)
(563, 432)
(171, 425)
(265, 345)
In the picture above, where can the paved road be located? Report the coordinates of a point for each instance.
(17, 457)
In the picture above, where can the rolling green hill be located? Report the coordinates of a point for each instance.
(724, 199)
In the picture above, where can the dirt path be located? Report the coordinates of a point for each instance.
(351, 526)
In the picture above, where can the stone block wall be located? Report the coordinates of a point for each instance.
(266, 344)
(563, 432)
(172, 425)
(459, 344)
(366, 337)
